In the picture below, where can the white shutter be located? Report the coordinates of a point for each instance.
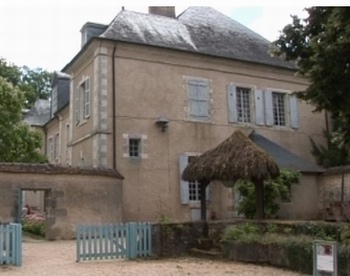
(294, 116)
(268, 108)
(232, 103)
(259, 107)
(184, 187)
(198, 94)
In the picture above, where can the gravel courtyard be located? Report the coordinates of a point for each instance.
(58, 258)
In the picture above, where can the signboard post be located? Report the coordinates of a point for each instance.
(325, 258)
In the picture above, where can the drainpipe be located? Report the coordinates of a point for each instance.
(114, 131)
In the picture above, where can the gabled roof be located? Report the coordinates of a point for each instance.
(39, 114)
(198, 29)
(283, 157)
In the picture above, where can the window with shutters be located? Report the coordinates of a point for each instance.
(82, 101)
(189, 190)
(198, 99)
(239, 103)
(279, 115)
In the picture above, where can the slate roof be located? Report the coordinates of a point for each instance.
(39, 114)
(198, 29)
(283, 157)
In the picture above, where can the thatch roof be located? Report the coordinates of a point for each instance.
(235, 158)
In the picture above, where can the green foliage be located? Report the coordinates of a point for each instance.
(18, 143)
(241, 232)
(335, 154)
(320, 46)
(273, 189)
(35, 83)
(34, 226)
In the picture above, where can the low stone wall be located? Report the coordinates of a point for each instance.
(72, 195)
(176, 239)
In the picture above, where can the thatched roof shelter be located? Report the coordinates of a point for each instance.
(235, 158)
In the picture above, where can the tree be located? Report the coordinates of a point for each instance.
(320, 46)
(18, 143)
(334, 154)
(35, 83)
(273, 190)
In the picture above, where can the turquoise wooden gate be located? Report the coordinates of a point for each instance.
(124, 240)
(11, 244)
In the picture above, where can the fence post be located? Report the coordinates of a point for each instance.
(132, 241)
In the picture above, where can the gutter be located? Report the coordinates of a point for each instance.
(114, 131)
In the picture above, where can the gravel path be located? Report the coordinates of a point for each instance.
(58, 258)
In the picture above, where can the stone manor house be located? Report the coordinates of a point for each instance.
(149, 91)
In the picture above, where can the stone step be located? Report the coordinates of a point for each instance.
(209, 254)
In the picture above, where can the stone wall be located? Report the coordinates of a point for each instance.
(72, 195)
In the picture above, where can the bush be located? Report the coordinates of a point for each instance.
(34, 223)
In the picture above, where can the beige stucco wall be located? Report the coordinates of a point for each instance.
(304, 202)
(331, 188)
(151, 82)
(58, 124)
(73, 196)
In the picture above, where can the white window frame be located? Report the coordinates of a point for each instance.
(240, 104)
(279, 110)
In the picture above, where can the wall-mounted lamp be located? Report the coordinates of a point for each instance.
(162, 123)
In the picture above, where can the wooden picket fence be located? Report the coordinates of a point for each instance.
(124, 240)
(11, 244)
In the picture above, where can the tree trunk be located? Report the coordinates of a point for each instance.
(259, 191)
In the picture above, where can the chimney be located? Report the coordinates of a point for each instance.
(90, 30)
(162, 10)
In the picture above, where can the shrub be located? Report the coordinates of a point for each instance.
(34, 223)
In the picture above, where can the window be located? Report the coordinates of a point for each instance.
(243, 104)
(56, 146)
(281, 109)
(279, 116)
(239, 104)
(51, 149)
(189, 190)
(198, 99)
(193, 187)
(82, 101)
(134, 147)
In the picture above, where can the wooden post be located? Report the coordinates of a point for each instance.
(259, 191)
(203, 186)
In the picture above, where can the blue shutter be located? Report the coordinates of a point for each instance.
(268, 108)
(293, 104)
(184, 187)
(232, 103)
(259, 107)
(198, 93)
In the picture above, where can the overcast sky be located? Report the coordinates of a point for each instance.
(46, 33)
